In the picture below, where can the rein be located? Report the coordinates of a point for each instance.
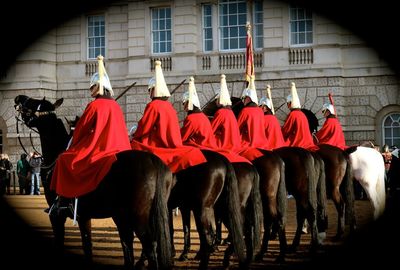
(18, 135)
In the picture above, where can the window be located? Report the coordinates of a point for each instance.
(391, 129)
(258, 25)
(161, 30)
(301, 26)
(96, 36)
(207, 28)
(232, 24)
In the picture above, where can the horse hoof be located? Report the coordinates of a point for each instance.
(280, 259)
(258, 257)
(183, 258)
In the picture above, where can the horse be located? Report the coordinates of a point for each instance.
(198, 189)
(369, 170)
(271, 187)
(305, 180)
(250, 210)
(134, 192)
(338, 175)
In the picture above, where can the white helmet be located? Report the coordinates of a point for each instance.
(293, 98)
(95, 80)
(191, 96)
(266, 101)
(250, 91)
(160, 86)
(329, 107)
(101, 79)
(223, 96)
(151, 83)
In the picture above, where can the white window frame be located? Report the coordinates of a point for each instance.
(385, 137)
(204, 28)
(256, 34)
(101, 48)
(220, 27)
(297, 21)
(158, 31)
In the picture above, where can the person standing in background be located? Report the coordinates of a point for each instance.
(23, 169)
(35, 162)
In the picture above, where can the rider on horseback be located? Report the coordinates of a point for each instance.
(158, 131)
(331, 132)
(295, 130)
(273, 131)
(197, 131)
(98, 136)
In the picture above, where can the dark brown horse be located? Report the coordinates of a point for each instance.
(197, 189)
(339, 180)
(134, 192)
(250, 210)
(305, 180)
(272, 190)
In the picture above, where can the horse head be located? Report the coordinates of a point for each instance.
(32, 109)
(312, 120)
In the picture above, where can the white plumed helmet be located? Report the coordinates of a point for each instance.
(101, 79)
(160, 87)
(329, 107)
(250, 91)
(223, 97)
(293, 97)
(191, 96)
(266, 102)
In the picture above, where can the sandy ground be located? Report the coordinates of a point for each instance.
(107, 249)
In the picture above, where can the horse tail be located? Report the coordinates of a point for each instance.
(254, 211)
(349, 195)
(380, 190)
(235, 221)
(282, 196)
(159, 215)
(320, 196)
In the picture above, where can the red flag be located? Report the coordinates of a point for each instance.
(331, 101)
(249, 55)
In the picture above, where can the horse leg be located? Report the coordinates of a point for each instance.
(267, 234)
(126, 236)
(300, 217)
(185, 212)
(339, 204)
(58, 226)
(205, 223)
(171, 231)
(85, 227)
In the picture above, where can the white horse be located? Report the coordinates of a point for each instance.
(369, 170)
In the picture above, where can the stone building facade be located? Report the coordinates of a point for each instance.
(204, 39)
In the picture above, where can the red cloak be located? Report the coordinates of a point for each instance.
(296, 131)
(197, 131)
(158, 132)
(331, 133)
(226, 130)
(273, 132)
(99, 134)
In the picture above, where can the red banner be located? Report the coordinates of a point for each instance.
(249, 56)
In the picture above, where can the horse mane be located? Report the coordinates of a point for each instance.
(367, 144)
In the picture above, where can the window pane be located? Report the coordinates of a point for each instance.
(242, 19)
(396, 132)
(233, 32)
(233, 44)
(242, 8)
(309, 26)
(294, 39)
(388, 132)
(232, 8)
(396, 142)
(208, 33)
(388, 121)
(169, 47)
(242, 43)
(302, 26)
(309, 38)
(168, 35)
(209, 46)
(232, 20)
(226, 44)
(156, 47)
(302, 38)
(293, 27)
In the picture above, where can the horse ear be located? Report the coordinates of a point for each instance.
(58, 103)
